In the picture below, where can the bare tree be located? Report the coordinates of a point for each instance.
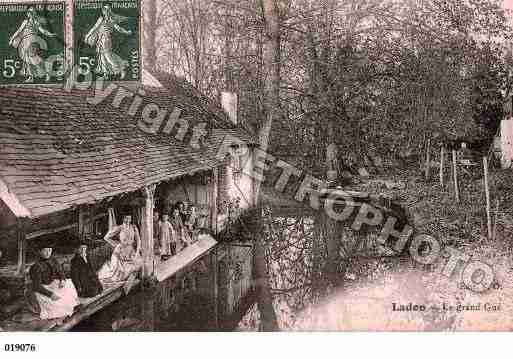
(150, 34)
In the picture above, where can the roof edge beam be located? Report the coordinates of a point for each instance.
(10, 199)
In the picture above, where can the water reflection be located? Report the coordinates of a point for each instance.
(308, 259)
(181, 303)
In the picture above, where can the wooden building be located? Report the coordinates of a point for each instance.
(71, 159)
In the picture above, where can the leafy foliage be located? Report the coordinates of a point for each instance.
(376, 76)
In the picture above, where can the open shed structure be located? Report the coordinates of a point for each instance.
(69, 158)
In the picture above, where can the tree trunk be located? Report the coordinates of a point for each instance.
(318, 248)
(150, 33)
(271, 98)
(229, 82)
(269, 321)
(272, 61)
(319, 85)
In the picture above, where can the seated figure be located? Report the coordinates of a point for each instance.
(126, 258)
(55, 295)
(83, 276)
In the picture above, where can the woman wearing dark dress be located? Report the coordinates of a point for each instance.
(55, 295)
(83, 275)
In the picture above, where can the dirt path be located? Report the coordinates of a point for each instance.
(367, 304)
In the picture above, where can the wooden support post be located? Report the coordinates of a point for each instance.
(82, 217)
(487, 192)
(22, 245)
(442, 155)
(147, 232)
(428, 159)
(215, 196)
(455, 175)
(210, 201)
(494, 230)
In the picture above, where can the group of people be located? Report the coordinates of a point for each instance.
(56, 296)
(174, 232)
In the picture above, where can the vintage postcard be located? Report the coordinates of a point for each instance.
(268, 165)
(106, 39)
(32, 43)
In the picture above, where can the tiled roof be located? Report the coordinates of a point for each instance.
(58, 151)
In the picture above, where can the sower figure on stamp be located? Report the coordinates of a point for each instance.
(100, 36)
(55, 295)
(83, 275)
(28, 42)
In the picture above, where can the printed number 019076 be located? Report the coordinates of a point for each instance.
(20, 347)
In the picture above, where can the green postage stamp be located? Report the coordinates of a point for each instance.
(106, 39)
(32, 43)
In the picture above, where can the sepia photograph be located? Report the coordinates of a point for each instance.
(255, 166)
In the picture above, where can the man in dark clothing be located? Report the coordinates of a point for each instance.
(55, 294)
(83, 275)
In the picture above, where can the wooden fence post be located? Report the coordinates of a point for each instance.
(82, 217)
(455, 175)
(487, 192)
(494, 230)
(442, 154)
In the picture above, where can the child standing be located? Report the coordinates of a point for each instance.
(167, 238)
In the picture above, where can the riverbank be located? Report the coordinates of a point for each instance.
(373, 285)
(367, 301)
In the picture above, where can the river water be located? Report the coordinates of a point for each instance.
(375, 283)
(140, 311)
(301, 269)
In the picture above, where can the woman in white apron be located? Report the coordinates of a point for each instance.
(55, 295)
(126, 258)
